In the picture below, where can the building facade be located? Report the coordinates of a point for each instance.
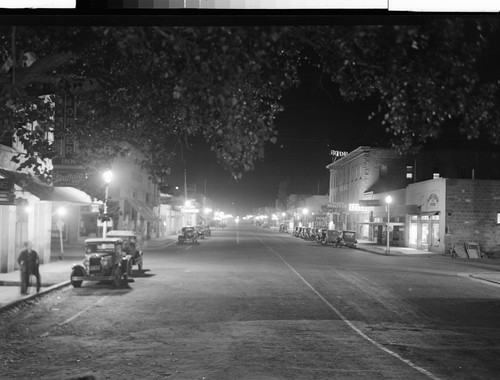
(360, 175)
(427, 210)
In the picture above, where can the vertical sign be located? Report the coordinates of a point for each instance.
(6, 191)
(67, 172)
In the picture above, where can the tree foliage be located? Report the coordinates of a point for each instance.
(426, 77)
(157, 87)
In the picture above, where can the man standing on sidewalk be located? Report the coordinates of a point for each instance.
(30, 264)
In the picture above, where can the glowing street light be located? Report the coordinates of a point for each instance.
(388, 200)
(108, 177)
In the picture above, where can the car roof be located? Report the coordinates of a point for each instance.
(121, 233)
(104, 240)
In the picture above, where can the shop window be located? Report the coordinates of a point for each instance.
(395, 233)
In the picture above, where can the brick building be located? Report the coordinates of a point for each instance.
(440, 197)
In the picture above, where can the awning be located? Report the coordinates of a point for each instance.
(429, 213)
(143, 209)
(71, 195)
(45, 192)
(382, 223)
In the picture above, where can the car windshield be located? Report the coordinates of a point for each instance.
(100, 247)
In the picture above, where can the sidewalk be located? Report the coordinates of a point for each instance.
(56, 273)
(490, 268)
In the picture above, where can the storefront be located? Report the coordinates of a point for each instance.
(426, 223)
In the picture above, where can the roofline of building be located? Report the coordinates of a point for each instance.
(351, 155)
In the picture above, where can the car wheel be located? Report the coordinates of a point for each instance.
(117, 281)
(76, 272)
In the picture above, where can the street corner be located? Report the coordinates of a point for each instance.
(488, 277)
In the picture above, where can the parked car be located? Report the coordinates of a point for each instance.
(105, 260)
(201, 231)
(188, 234)
(131, 248)
(334, 237)
(349, 239)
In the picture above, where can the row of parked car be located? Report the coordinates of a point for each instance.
(325, 236)
(113, 257)
(192, 234)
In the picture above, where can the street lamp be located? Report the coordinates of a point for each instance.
(388, 200)
(107, 176)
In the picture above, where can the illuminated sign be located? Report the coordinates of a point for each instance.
(338, 153)
(337, 205)
(356, 207)
(190, 210)
(369, 202)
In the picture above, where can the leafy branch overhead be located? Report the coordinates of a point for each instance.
(158, 87)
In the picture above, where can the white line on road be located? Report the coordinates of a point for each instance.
(76, 315)
(348, 322)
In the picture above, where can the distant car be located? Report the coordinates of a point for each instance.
(104, 260)
(188, 234)
(131, 248)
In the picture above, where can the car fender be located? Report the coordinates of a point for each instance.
(81, 266)
(78, 266)
(124, 263)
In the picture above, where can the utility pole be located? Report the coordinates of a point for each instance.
(185, 186)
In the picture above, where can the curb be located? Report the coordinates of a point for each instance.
(17, 302)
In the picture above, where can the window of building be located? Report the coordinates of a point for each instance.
(409, 171)
(435, 173)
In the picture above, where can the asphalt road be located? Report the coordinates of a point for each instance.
(250, 303)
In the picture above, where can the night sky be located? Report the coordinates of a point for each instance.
(313, 123)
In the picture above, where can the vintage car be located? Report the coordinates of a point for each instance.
(347, 239)
(105, 260)
(201, 231)
(134, 254)
(334, 237)
(188, 234)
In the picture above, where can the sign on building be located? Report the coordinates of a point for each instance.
(6, 191)
(370, 202)
(320, 221)
(66, 171)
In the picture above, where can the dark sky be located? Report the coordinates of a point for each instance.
(313, 123)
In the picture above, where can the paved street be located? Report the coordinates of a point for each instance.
(250, 303)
